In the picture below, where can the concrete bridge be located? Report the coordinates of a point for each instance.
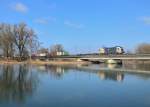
(117, 57)
(124, 56)
(96, 58)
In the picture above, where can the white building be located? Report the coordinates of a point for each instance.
(60, 53)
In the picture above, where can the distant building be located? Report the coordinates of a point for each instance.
(60, 53)
(41, 54)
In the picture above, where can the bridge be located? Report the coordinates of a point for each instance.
(96, 58)
(103, 57)
(114, 58)
(117, 57)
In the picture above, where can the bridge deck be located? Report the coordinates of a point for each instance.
(103, 57)
(106, 57)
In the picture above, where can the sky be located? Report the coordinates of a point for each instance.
(82, 26)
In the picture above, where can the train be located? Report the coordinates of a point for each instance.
(111, 50)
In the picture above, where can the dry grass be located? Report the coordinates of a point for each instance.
(43, 62)
(57, 62)
(11, 62)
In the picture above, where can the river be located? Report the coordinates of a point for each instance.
(74, 86)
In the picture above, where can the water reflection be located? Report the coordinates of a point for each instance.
(16, 82)
(115, 76)
(137, 65)
(110, 66)
(119, 76)
(54, 71)
(59, 71)
(63, 85)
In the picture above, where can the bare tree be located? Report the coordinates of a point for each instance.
(143, 48)
(6, 40)
(56, 48)
(18, 38)
(23, 37)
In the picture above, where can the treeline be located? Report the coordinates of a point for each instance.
(143, 48)
(20, 42)
(17, 40)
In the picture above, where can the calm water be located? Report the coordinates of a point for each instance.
(71, 86)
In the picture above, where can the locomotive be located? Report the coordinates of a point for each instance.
(111, 50)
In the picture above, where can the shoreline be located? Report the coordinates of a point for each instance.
(58, 62)
(74, 64)
(12, 62)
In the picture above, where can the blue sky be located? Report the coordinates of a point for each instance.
(82, 25)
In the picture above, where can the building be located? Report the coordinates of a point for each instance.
(60, 53)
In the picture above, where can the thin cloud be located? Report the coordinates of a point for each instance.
(73, 25)
(20, 7)
(45, 20)
(41, 21)
(146, 19)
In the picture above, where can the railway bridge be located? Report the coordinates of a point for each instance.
(114, 58)
(119, 57)
(102, 58)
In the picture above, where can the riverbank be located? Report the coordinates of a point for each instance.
(58, 62)
(126, 67)
(12, 62)
(44, 62)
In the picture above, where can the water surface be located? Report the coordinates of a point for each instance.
(71, 86)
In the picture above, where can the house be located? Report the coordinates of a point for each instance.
(60, 53)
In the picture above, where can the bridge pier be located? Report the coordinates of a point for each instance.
(114, 61)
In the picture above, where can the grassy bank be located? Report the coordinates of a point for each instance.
(57, 62)
(12, 62)
(43, 62)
